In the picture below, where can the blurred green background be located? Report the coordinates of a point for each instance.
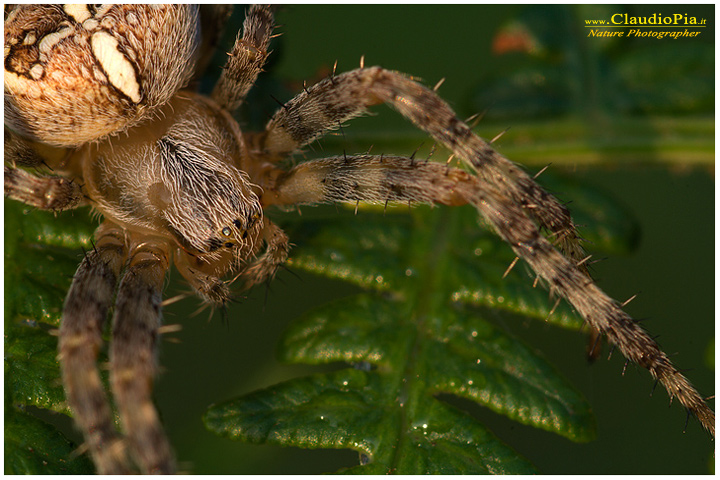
(634, 117)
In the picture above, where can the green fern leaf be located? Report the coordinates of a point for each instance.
(32, 447)
(41, 253)
(424, 328)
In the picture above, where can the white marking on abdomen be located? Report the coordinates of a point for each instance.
(118, 68)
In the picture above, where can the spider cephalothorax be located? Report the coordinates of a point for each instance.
(95, 93)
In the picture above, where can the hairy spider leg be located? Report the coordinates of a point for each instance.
(246, 58)
(84, 314)
(42, 191)
(133, 352)
(330, 102)
(595, 306)
(507, 197)
(46, 192)
(371, 179)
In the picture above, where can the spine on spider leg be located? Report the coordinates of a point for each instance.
(432, 114)
(594, 305)
(566, 276)
(506, 196)
(569, 277)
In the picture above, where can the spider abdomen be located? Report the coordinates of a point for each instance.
(76, 73)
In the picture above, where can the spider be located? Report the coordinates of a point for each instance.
(96, 94)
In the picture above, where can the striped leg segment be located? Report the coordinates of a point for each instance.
(370, 178)
(246, 58)
(133, 355)
(40, 191)
(84, 314)
(595, 306)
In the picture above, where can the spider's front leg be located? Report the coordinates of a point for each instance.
(133, 352)
(84, 314)
(329, 103)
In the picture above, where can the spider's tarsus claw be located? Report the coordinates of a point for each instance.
(687, 419)
(593, 351)
(223, 315)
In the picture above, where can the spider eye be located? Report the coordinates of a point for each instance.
(226, 231)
